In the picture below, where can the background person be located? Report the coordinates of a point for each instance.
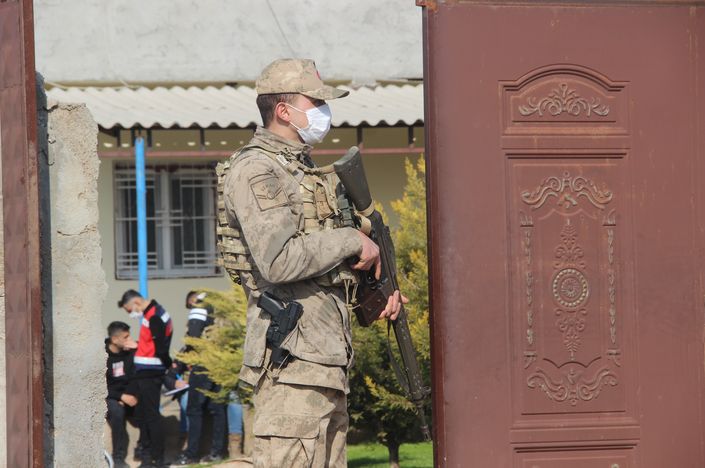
(122, 390)
(151, 362)
(174, 382)
(235, 432)
(201, 316)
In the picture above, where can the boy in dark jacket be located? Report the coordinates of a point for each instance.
(121, 386)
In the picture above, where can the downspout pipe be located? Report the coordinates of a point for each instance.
(141, 216)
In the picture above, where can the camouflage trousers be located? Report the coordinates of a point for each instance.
(299, 426)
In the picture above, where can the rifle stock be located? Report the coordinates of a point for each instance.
(373, 293)
(352, 174)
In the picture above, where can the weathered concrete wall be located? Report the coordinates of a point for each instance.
(224, 40)
(75, 362)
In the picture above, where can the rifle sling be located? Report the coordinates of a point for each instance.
(402, 378)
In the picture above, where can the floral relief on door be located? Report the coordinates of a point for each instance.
(570, 366)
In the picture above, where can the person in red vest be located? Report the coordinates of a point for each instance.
(150, 363)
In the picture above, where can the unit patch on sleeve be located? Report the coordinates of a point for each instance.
(268, 192)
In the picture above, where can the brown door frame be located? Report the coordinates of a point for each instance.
(23, 308)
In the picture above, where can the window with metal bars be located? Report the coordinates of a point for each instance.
(181, 221)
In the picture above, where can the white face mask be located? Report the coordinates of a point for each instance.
(318, 124)
(136, 313)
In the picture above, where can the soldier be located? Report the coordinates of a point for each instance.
(280, 234)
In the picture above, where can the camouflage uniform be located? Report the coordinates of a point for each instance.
(282, 237)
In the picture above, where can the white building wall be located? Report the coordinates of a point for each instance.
(170, 293)
(224, 40)
(386, 178)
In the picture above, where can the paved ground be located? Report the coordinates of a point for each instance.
(170, 412)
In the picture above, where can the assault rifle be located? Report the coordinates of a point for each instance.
(373, 293)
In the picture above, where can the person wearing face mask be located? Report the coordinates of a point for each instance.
(150, 362)
(122, 391)
(283, 238)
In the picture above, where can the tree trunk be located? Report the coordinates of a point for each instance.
(393, 448)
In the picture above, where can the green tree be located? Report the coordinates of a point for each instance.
(219, 349)
(377, 402)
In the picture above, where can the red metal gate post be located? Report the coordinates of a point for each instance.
(23, 308)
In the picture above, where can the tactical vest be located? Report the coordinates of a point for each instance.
(324, 208)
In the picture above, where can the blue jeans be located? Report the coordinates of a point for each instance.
(183, 419)
(234, 418)
(198, 403)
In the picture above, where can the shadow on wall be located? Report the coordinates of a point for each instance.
(46, 278)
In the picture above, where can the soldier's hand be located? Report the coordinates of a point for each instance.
(394, 305)
(369, 256)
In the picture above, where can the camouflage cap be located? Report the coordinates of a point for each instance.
(296, 76)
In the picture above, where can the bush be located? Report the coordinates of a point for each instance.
(219, 350)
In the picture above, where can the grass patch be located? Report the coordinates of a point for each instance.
(376, 456)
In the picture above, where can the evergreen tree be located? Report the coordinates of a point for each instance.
(377, 402)
(219, 349)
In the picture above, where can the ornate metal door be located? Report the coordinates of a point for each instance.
(566, 148)
(23, 319)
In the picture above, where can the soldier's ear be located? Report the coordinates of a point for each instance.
(283, 112)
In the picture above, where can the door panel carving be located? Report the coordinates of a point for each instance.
(563, 99)
(565, 231)
(578, 99)
(578, 459)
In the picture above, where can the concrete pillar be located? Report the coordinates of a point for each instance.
(75, 356)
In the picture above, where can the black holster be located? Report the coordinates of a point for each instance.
(283, 320)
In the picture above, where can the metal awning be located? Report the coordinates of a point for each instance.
(227, 106)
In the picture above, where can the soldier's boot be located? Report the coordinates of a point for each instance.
(235, 445)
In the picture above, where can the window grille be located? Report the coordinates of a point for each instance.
(181, 221)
